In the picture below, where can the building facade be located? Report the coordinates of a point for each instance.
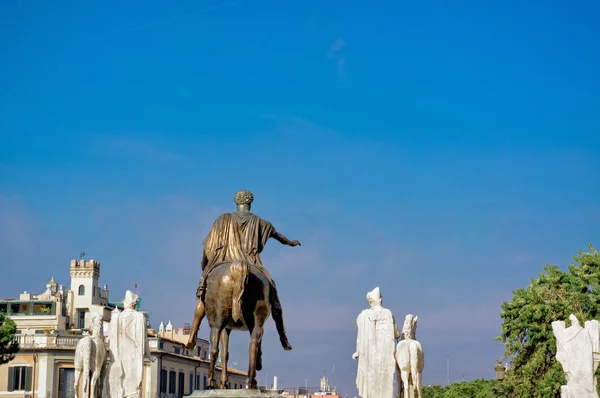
(50, 324)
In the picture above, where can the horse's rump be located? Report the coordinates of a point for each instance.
(409, 352)
(238, 273)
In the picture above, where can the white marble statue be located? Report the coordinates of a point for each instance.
(409, 356)
(128, 349)
(375, 347)
(577, 350)
(90, 359)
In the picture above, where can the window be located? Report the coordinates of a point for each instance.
(161, 345)
(81, 290)
(177, 350)
(19, 308)
(66, 381)
(181, 385)
(42, 309)
(197, 382)
(191, 382)
(204, 382)
(235, 386)
(163, 381)
(81, 319)
(19, 378)
(3, 308)
(172, 382)
(39, 332)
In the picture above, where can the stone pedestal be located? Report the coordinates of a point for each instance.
(234, 394)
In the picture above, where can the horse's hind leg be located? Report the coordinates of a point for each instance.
(214, 354)
(259, 357)
(224, 357)
(419, 383)
(257, 333)
(86, 378)
(76, 385)
(406, 382)
(94, 387)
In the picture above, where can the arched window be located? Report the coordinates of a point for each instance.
(81, 290)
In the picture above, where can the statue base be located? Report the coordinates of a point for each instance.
(234, 394)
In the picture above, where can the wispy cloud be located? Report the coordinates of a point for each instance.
(472, 315)
(127, 146)
(299, 127)
(26, 240)
(18, 230)
(337, 52)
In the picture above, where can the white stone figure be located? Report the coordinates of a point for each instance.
(90, 358)
(409, 356)
(128, 349)
(577, 350)
(375, 346)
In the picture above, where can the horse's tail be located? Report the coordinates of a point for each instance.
(239, 275)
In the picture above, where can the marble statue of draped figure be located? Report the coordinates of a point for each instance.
(577, 350)
(128, 349)
(375, 349)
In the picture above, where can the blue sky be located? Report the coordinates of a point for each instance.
(441, 150)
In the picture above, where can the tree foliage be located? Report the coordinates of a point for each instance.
(527, 333)
(8, 346)
(478, 388)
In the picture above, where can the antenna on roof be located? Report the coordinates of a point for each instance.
(135, 287)
(82, 255)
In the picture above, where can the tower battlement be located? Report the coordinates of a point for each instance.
(83, 264)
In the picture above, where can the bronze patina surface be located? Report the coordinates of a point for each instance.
(235, 289)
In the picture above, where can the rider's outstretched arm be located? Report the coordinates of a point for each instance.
(285, 241)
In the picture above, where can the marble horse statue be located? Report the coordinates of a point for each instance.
(409, 357)
(90, 359)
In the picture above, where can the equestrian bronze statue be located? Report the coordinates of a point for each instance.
(235, 291)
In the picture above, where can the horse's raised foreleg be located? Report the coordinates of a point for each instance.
(214, 354)
(224, 357)
(255, 340)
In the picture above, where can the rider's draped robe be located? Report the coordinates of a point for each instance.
(238, 236)
(375, 345)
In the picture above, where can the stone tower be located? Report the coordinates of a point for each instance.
(85, 290)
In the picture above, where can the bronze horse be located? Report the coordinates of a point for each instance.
(237, 298)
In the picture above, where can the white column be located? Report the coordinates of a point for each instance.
(149, 381)
(41, 374)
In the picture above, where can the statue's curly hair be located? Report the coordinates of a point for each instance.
(243, 197)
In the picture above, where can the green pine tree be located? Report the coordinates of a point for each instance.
(478, 388)
(526, 329)
(8, 346)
